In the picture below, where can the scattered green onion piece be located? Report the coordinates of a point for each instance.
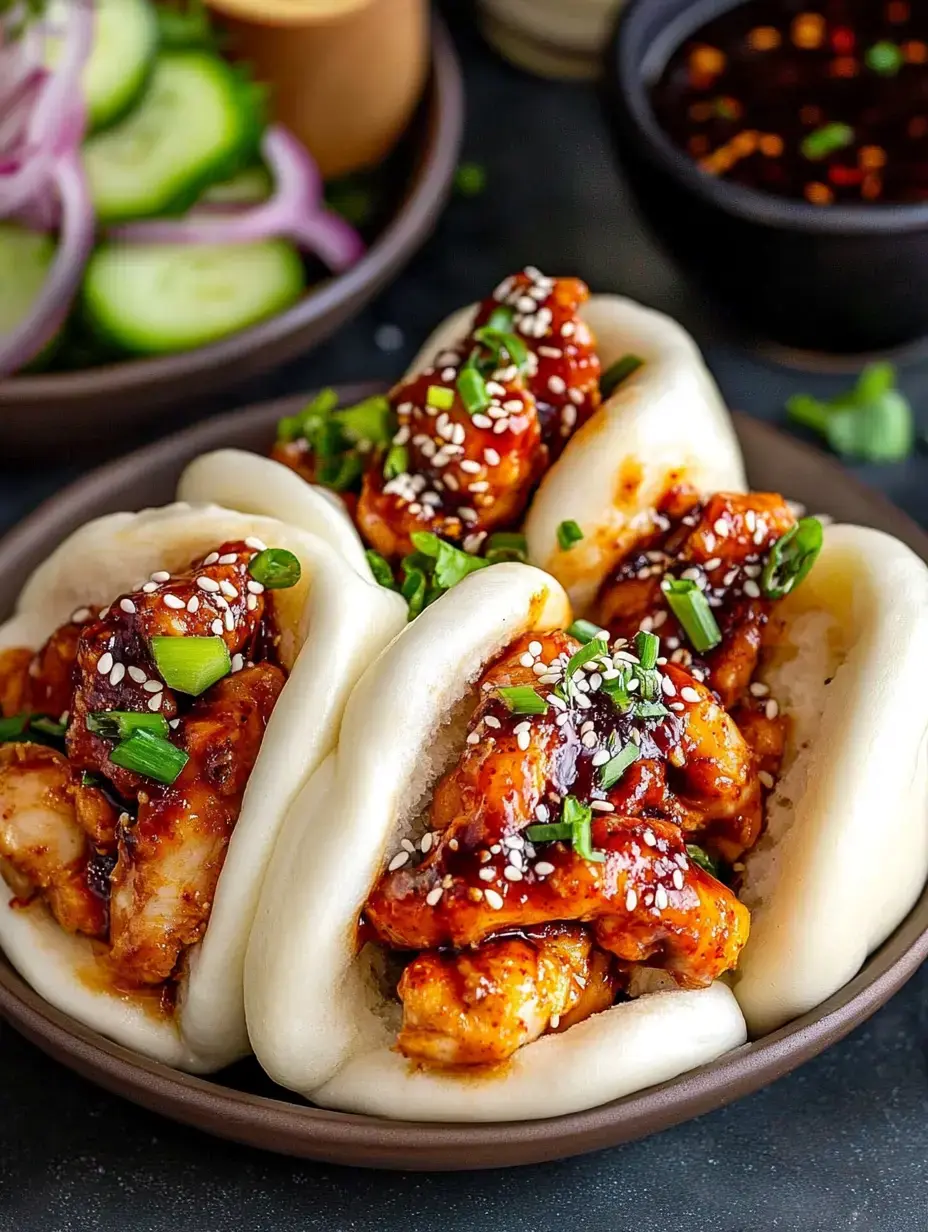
(89, 779)
(396, 461)
(617, 690)
(618, 372)
(14, 728)
(470, 179)
(121, 724)
(381, 570)
(651, 710)
(694, 615)
(647, 646)
(440, 397)
(649, 684)
(501, 319)
(414, 590)
(506, 545)
(613, 770)
(150, 755)
(550, 832)
(791, 558)
(585, 631)
(309, 418)
(700, 856)
(568, 533)
(452, 564)
(496, 341)
(872, 421)
(275, 569)
(473, 390)
(191, 664)
(29, 728)
(370, 421)
(48, 727)
(579, 817)
(592, 650)
(826, 140)
(885, 58)
(340, 472)
(523, 699)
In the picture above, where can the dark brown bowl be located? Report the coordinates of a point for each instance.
(43, 415)
(241, 1103)
(849, 278)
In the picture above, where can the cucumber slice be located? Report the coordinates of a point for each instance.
(25, 259)
(197, 123)
(249, 187)
(125, 41)
(155, 298)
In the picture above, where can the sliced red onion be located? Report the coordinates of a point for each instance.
(53, 302)
(294, 212)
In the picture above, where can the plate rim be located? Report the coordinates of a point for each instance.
(301, 1129)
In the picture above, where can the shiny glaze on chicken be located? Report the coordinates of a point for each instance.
(114, 855)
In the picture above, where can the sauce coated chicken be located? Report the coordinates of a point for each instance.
(114, 854)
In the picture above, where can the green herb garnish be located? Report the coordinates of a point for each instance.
(613, 770)
(396, 462)
(586, 630)
(275, 569)
(885, 58)
(381, 570)
(700, 856)
(694, 615)
(473, 390)
(873, 421)
(826, 140)
(523, 699)
(568, 533)
(151, 756)
(121, 724)
(435, 566)
(439, 397)
(618, 372)
(574, 826)
(504, 545)
(339, 438)
(470, 179)
(647, 646)
(29, 728)
(791, 558)
(191, 664)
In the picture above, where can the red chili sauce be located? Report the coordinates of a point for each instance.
(824, 101)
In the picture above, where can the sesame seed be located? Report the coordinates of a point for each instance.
(750, 520)
(557, 384)
(230, 622)
(543, 868)
(217, 627)
(631, 900)
(487, 874)
(117, 674)
(154, 702)
(523, 740)
(668, 687)
(161, 576)
(152, 686)
(689, 695)
(174, 602)
(767, 780)
(473, 737)
(228, 559)
(602, 806)
(660, 898)
(136, 674)
(677, 879)
(425, 844)
(720, 526)
(256, 543)
(238, 662)
(772, 709)
(193, 604)
(470, 466)
(207, 584)
(540, 669)
(527, 660)
(127, 606)
(228, 589)
(752, 589)
(105, 664)
(492, 721)
(82, 614)
(483, 421)
(678, 706)
(758, 689)
(511, 873)
(649, 838)
(600, 757)
(149, 588)
(401, 858)
(495, 900)
(433, 897)
(589, 740)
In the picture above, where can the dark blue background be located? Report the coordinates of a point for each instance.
(842, 1144)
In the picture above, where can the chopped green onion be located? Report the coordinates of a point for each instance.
(89, 779)
(370, 421)
(496, 341)
(579, 817)
(647, 646)
(585, 631)
(473, 390)
(885, 58)
(550, 832)
(650, 710)
(506, 545)
(470, 179)
(31, 729)
(381, 570)
(826, 140)
(452, 564)
(340, 472)
(48, 727)
(649, 683)
(618, 372)
(414, 589)
(501, 319)
(592, 650)
(440, 397)
(120, 724)
(14, 728)
(292, 427)
(791, 558)
(872, 421)
(150, 755)
(693, 613)
(613, 770)
(275, 569)
(617, 689)
(191, 664)
(396, 461)
(700, 856)
(523, 699)
(568, 533)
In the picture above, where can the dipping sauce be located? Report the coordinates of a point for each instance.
(825, 102)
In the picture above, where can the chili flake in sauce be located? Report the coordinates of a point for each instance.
(825, 102)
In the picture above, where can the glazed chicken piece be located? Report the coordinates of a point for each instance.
(480, 876)
(480, 1006)
(722, 546)
(171, 857)
(115, 669)
(42, 683)
(563, 376)
(464, 475)
(43, 848)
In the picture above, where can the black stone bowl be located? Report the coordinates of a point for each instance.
(845, 279)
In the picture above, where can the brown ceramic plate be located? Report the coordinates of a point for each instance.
(50, 412)
(241, 1103)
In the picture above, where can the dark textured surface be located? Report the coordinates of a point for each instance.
(843, 1143)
